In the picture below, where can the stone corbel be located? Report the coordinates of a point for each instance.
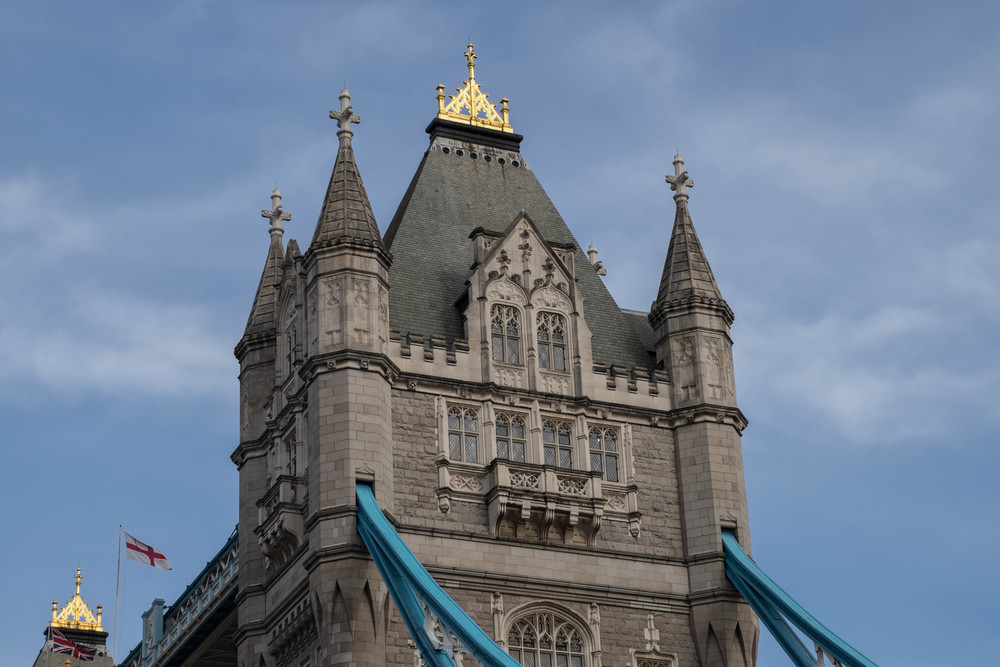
(594, 526)
(548, 516)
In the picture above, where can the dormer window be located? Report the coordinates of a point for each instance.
(505, 327)
(551, 341)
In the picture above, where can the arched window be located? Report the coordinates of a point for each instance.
(510, 438)
(604, 452)
(463, 435)
(505, 328)
(557, 444)
(546, 639)
(551, 341)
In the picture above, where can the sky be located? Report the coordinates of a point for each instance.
(843, 154)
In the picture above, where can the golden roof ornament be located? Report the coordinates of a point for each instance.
(76, 614)
(479, 111)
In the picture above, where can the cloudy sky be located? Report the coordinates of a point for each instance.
(843, 153)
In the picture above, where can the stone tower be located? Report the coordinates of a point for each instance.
(315, 382)
(691, 321)
(560, 465)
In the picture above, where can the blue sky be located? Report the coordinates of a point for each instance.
(843, 154)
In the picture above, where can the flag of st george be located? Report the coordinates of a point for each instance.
(144, 553)
(60, 644)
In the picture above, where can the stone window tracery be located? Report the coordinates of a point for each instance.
(291, 458)
(463, 435)
(604, 452)
(511, 437)
(557, 444)
(546, 639)
(505, 333)
(551, 341)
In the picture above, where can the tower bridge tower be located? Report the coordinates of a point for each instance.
(561, 466)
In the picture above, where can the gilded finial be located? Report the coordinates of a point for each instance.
(679, 180)
(345, 117)
(471, 105)
(276, 214)
(76, 613)
(470, 58)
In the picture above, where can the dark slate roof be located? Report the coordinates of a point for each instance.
(640, 327)
(262, 316)
(346, 209)
(449, 196)
(686, 272)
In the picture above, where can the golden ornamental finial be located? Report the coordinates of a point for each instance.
(471, 105)
(470, 57)
(76, 614)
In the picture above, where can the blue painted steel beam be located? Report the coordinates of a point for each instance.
(407, 579)
(770, 601)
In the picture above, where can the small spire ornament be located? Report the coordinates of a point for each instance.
(276, 214)
(345, 117)
(679, 180)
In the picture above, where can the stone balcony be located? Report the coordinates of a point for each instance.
(280, 527)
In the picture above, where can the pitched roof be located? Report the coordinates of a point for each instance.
(346, 212)
(450, 195)
(686, 271)
(262, 316)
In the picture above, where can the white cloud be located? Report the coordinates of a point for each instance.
(969, 269)
(113, 343)
(852, 373)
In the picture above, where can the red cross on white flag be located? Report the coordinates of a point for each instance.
(144, 553)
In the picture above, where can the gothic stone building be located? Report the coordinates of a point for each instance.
(563, 467)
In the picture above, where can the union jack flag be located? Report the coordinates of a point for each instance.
(62, 645)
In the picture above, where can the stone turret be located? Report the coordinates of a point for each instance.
(257, 353)
(691, 321)
(347, 425)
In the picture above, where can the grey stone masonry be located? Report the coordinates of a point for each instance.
(563, 468)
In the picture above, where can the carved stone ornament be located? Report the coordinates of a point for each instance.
(550, 297)
(505, 290)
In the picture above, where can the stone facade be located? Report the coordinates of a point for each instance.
(563, 468)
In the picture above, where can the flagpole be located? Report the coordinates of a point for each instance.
(118, 579)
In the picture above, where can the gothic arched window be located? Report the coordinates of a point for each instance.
(551, 341)
(546, 639)
(604, 452)
(510, 438)
(557, 444)
(463, 435)
(505, 329)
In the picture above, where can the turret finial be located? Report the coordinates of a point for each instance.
(470, 58)
(276, 214)
(679, 180)
(471, 105)
(345, 117)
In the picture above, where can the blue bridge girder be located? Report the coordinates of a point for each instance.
(776, 608)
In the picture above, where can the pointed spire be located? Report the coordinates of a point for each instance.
(262, 317)
(687, 277)
(346, 212)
